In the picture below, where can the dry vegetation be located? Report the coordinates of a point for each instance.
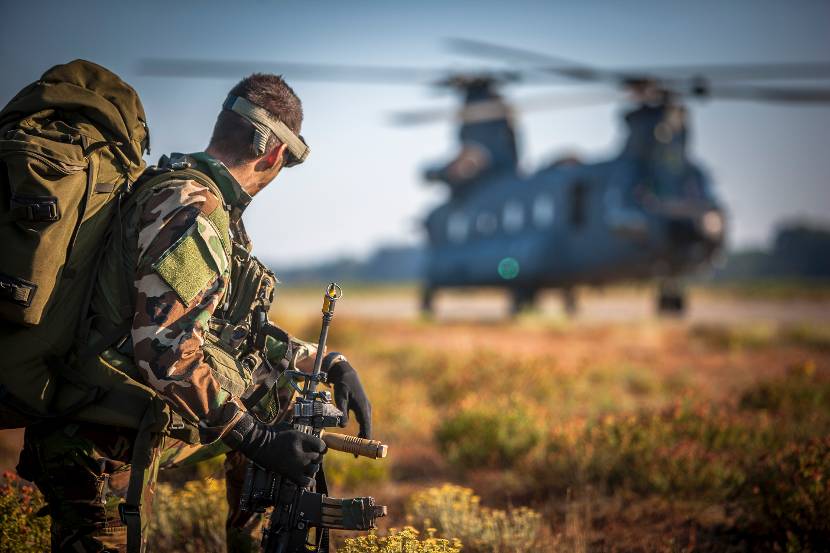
(642, 436)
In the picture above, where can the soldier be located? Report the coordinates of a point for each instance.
(194, 294)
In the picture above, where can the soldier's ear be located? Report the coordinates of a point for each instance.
(273, 157)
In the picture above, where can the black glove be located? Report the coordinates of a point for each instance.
(280, 449)
(349, 394)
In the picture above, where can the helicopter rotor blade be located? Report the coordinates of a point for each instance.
(490, 110)
(548, 63)
(807, 96)
(235, 69)
(627, 75)
(740, 72)
(442, 78)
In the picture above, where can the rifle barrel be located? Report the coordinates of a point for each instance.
(372, 449)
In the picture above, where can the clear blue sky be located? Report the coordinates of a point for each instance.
(768, 162)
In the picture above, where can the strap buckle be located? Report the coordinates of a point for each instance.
(46, 211)
(127, 512)
(17, 290)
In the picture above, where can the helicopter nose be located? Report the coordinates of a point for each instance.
(682, 231)
(703, 228)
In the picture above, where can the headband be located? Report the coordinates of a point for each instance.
(264, 123)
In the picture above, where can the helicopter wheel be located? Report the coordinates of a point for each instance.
(569, 302)
(523, 299)
(427, 298)
(671, 300)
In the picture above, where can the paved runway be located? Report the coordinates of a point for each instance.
(611, 306)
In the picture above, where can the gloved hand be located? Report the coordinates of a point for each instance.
(280, 449)
(349, 394)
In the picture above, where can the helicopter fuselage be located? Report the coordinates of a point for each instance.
(626, 219)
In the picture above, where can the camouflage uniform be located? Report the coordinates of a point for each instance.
(182, 273)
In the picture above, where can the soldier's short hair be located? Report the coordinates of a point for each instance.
(233, 135)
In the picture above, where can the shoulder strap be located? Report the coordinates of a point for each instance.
(145, 449)
(219, 218)
(143, 471)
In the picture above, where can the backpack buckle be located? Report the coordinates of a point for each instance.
(17, 290)
(46, 211)
(35, 208)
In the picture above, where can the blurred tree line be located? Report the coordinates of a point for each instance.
(799, 251)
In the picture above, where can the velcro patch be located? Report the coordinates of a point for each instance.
(191, 264)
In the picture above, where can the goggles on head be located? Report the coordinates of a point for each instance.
(296, 150)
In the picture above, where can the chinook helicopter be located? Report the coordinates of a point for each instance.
(649, 213)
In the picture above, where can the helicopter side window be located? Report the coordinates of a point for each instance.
(543, 211)
(513, 216)
(457, 227)
(486, 223)
(579, 204)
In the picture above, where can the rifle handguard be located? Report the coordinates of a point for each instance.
(372, 449)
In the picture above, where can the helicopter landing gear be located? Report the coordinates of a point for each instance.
(427, 299)
(569, 301)
(671, 299)
(524, 299)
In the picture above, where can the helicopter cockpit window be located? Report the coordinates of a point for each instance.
(579, 204)
(457, 227)
(513, 216)
(543, 211)
(486, 223)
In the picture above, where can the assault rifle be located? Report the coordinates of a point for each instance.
(302, 517)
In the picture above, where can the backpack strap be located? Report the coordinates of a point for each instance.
(143, 471)
(144, 463)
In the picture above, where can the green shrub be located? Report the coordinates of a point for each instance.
(735, 337)
(813, 336)
(684, 452)
(694, 451)
(21, 529)
(789, 495)
(456, 512)
(753, 336)
(190, 519)
(403, 541)
(487, 437)
(800, 400)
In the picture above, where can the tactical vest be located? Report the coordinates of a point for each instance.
(235, 340)
(238, 334)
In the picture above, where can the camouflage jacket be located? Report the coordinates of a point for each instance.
(182, 275)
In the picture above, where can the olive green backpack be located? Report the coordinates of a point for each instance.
(70, 144)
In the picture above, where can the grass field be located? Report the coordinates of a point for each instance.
(599, 434)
